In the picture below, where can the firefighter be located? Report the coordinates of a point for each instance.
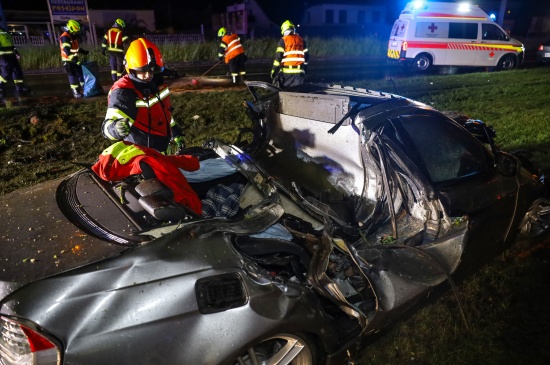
(69, 42)
(139, 106)
(232, 51)
(291, 58)
(9, 62)
(113, 42)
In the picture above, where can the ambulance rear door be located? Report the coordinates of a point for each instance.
(397, 37)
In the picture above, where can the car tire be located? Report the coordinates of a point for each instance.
(422, 62)
(281, 349)
(507, 62)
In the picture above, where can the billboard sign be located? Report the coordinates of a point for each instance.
(63, 10)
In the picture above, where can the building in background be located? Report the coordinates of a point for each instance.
(347, 18)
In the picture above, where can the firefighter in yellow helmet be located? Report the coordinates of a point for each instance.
(9, 63)
(69, 43)
(139, 107)
(232, 51)
(291, 58)
(113, 43)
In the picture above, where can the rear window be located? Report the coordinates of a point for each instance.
(399, 28)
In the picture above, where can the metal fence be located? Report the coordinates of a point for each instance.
(30, 41)
(157, 38)
(175, 38)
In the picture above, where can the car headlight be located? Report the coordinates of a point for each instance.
(220, 293)
(20, 344)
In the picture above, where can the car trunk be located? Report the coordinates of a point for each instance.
(38, 241)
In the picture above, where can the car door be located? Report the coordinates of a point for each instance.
(462, 173)
(494, 43)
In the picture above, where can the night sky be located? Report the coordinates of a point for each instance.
(185, 14)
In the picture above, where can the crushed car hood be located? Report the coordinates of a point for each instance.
(38, 241)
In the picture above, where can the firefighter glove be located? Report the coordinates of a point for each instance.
(180, 142)
(104, 51)
(220, 58)
(122, 127)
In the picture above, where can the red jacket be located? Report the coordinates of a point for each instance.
(122, 159)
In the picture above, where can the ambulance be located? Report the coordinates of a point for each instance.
(451, 34)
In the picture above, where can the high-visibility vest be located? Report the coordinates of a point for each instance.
(6, 43)
(293, 54)
(67, 41)
(232, 45)
(113, 40)
(122, 159)
(153, 116)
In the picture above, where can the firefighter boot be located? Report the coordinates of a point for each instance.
(76, 93)
(22, 90)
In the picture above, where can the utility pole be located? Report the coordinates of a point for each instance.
(501, 12)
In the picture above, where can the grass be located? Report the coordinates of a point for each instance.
(47, 57)
(506, 304)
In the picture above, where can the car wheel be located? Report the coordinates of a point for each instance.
(422, 62)
(537, 219)
(280, 349)
(507, 62)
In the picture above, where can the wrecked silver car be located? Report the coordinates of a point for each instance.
(348, 209)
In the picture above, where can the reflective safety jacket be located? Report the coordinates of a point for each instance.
(6, 43)
(113, 40)
(291, 55)
(149, 116)
(230, 47)
(69, 46)
(122, 159)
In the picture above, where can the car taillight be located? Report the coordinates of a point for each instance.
(541, 47)
(20, 344)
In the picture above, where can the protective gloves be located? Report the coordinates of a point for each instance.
(180, 142)
(104, 51)
(220, 58)
(122, 127)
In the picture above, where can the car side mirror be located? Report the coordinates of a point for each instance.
(506, 164)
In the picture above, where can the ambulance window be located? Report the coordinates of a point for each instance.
(463, 30)
(491, 32)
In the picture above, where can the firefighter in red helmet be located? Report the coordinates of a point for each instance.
(139, 106)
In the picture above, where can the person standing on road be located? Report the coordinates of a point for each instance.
(232, 50)
(9, 63)
(69, 42)
(113, 42)
(291, 58)
(139, 106)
